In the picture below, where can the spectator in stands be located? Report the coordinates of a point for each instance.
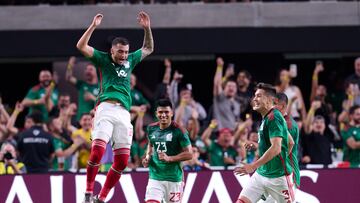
(63, 102)
(186, 107)
(351, 137)
(196, 163)
(43, 96)
(4, 118)
(241, 137)
(317, 142)
(8, 160)
(221, 150)
(85, 133)
(11, 130)
(36, 146)
(319, 93)
(296, 102)
(244, 92)
(352, 92)
(64, 146)
(162, 89)
(225, 108)
(355, 77)
(88, 89)
(140, 143)
(139, 102)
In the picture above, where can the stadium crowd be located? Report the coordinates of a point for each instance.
(55, 135)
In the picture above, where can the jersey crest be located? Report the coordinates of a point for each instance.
(169, 137)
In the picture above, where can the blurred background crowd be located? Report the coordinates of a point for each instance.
(55, 132)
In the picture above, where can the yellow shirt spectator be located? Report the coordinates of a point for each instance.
(84, 151)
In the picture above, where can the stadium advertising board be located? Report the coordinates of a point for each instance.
(326, 185)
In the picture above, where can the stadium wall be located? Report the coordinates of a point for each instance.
(321, 185)
(191, 28)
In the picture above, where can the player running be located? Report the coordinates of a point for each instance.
(273, 168)
(169, 144)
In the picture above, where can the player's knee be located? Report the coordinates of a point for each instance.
(121, 157)
(97, 151)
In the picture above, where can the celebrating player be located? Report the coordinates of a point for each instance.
(169, 144)
(273, 167)
(112, 117)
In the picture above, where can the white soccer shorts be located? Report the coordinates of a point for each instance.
(165, 191)
(280, 189)
(112, 123)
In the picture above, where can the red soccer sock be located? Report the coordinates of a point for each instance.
(121, 157)
(97, 151)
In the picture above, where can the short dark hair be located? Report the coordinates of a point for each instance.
(353, 109)
(64, 94)
(246, 73)
(282, 97)
(269, 89)
(230, 79)
(120, 40)
(164, 103)
(85, 114)
(37, 116)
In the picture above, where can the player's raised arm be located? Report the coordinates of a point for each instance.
(82, 44)
(148, 44)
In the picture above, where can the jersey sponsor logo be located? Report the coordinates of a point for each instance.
(121, 73)
(168, 137)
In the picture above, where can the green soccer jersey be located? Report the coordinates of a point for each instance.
(60, 145)
(274, 125)
(37, 92)
(351, 155)
(294, 132)
(138, 148)
(138, 98)
(171, 140)
(114, 78)
(85, 106)
(217, 154)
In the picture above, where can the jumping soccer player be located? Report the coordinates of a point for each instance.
(169, 144)
(273, 167)
(112, 117)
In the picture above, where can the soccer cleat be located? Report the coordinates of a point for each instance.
(88, 198)
(96, 200)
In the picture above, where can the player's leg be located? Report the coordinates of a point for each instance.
(121, 138)
(102, 130)
(155, 191)
(281, 189)
(252, 192)
(174, 191)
